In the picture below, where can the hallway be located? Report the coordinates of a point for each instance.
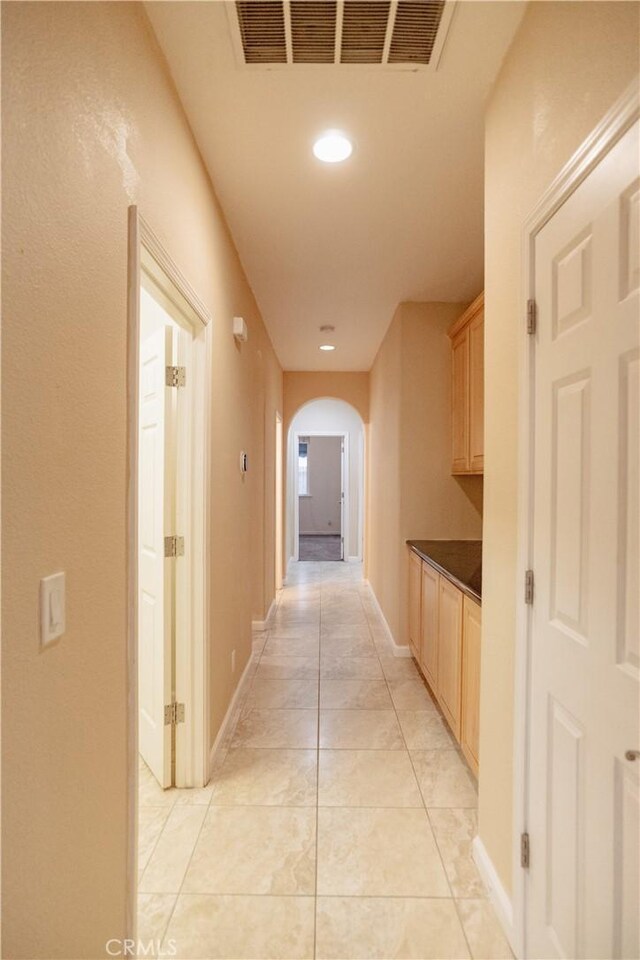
(339, 820)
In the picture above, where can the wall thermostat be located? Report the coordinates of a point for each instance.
(243, 462)
(240, 331)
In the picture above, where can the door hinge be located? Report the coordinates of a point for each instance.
(174, 546)
(173, 714)
(176, 376)
(528, 586)
(532, 316)
(524, 851)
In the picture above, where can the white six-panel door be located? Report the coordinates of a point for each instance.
(155, 591)
(583, 805)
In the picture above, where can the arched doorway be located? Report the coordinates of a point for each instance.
(325, 481)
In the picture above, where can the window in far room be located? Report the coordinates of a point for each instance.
(303, 467)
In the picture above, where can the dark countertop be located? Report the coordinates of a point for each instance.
(460, 561)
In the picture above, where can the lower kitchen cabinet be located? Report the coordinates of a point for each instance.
(429, 644)
(445, 637)
(450, 652)
(470, 720)
(415, 603)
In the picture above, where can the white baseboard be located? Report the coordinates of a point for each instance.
(499, 897)
(259, 625)
(354, 560)
(398, 650)
(224, 726)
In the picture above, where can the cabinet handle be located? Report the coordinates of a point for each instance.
(632, 755)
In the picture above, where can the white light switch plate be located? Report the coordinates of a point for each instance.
(52, 608)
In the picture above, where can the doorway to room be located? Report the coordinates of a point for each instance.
(164, 346)
(169, 337)
(324, 483)
(169, 362)
(320, 496)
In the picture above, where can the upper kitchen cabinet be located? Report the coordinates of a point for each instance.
(467, 394)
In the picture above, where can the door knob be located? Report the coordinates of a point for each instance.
(632, 755)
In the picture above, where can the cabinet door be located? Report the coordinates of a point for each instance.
(470, 726)
(415, 578)
(429, 645)
(449, 652)
(460, 401)
(476, 394)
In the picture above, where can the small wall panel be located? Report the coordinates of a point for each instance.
(147, 503)
(572, 284)
(629, 513)
(630, 240)
(147, 682)
(627, 862)
(570, 469)
(565, 751)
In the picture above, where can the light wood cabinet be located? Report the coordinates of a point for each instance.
(415, 603)
(460, 403)
(470, 718)
(445, 629)
(449, 652)
(429, 632)
(467, 390)
(476, 393)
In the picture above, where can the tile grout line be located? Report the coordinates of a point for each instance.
(315, 897)
(208, 805)
(326, 595)
(424, 805)
(429, 821)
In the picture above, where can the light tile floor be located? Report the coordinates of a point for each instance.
(339, 819)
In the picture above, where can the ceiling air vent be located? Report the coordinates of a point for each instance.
(414, 31)
(364, 29)
(392, 34)
(313, 31)
(261, 24)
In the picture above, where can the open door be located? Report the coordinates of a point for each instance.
(155, 593)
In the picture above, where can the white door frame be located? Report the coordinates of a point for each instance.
(607, 133)
(148, 259)
(344, 532)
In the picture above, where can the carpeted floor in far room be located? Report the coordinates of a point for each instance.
(319, 547)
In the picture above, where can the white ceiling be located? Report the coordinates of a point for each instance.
(343, 244)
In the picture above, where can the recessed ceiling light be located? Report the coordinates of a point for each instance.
(332, 147)
(327, 346)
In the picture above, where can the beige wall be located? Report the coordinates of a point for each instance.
(384, 543)
(412, 492)
(301, 386)
(567, 65)
(92, 124)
